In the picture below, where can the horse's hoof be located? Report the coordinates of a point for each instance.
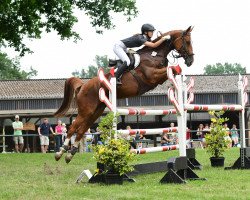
(58, 155)
(68, 158)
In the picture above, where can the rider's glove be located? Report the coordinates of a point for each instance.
(166, 37)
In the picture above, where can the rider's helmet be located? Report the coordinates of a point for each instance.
(147, 27)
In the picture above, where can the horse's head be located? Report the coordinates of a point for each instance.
(181, 42)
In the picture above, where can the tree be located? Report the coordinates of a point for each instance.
(10, 69)
(101, 61)
(28, 19)
(227, 68)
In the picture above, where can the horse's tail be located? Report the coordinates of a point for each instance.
(72, 86)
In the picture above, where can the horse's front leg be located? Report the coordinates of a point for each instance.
(160, 75)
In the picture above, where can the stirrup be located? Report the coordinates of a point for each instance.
(118, 81)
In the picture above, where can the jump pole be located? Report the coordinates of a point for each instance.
(155, 149)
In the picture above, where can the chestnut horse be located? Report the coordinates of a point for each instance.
(151, 72)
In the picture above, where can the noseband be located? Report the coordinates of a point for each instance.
(183, 50)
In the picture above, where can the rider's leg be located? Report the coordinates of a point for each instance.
(120, 50)
(119, 72)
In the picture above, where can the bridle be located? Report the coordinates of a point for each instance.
(182, 52)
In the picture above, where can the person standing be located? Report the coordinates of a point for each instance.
(43, 131)
(73, 137)
(228, 134)
(88, 140)
(64, 132)
(235, 135)
(18, 138)
(58, 134)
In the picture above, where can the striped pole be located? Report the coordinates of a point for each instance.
(196, 107)
(134, 111)
(155, 149)
(148, 131)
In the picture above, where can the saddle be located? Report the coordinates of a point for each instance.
(134, 58)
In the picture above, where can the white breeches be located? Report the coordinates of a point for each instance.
(120, 50)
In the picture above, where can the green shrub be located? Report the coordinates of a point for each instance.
(115, 154)
(215, 139)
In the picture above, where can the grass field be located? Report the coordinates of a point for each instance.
(38, 176)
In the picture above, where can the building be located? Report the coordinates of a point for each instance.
(37, 98)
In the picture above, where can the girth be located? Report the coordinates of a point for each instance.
(142, 86)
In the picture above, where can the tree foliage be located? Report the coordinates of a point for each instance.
(21, 19)
(101, 61)
(227, 68)
(10, 69)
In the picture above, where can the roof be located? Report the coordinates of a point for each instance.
(207, 84)
(54, 88)
(32, 89)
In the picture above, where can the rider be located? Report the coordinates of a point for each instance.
(120, 47)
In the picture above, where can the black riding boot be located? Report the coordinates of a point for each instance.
(119, 72)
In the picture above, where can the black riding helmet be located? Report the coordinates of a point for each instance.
(147, 27)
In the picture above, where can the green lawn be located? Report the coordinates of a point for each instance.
(38, 176)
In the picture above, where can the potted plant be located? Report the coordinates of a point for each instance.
(216, 142)
(113, 157)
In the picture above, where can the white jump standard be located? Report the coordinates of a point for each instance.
(181, 117)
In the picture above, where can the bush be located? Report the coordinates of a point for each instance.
(115, 154)
(215, 139)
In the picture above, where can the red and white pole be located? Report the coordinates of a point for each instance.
(155, 149)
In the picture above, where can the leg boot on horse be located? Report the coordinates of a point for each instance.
(72, 152)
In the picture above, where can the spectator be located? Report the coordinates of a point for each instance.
(199, 132)
(88, 140)
(43, 131)
(170, 138)
(18, 140)
(205, 131)
(188, 138)
(64, 132)
(227, 137)
(97, 138)
(141, 137)
(235, 135)
(73, 137)
(131, 139)
(58, 135)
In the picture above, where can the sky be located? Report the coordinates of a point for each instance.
(221, 34)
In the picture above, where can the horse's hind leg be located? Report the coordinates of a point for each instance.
(73, 128)
(88, 120)
(80, 132)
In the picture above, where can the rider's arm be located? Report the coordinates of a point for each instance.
(154, 44)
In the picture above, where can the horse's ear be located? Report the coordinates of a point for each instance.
(189, 29)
